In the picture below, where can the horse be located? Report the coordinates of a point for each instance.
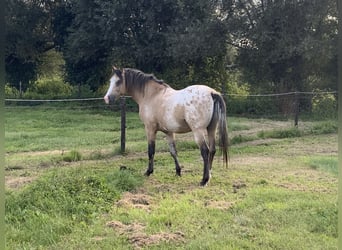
(196, 108)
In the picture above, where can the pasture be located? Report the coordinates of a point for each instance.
(68, 186)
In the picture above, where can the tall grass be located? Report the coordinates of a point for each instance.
(40, 214)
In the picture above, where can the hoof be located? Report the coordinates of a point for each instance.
(148, 173)
(178, 173)
(204, 183)
(123, 168)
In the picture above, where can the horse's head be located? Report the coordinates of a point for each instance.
(115, 86)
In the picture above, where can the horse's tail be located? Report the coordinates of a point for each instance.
(221, 118)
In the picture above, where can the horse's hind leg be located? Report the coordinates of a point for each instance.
(173, 151)
(206, 168)
(212, 148)
(200, 138)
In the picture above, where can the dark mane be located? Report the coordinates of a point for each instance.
(137, 80)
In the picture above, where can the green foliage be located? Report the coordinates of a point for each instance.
(51, 64)
(278, 46)
(11, 92)
(27, 36)
(168, 38)
(324, 105)
(252, 105)
(283, 43)
(326, 127)
(48, 88)
(237, 94)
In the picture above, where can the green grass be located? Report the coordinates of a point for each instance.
(66, 181)
(324, 163)
(64, 199)
(326, 127)
(280, 133)
(73, 155)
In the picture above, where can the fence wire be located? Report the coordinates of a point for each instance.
(289, 104)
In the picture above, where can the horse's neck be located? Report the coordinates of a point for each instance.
(151, 91)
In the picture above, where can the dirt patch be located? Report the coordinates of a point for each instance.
(304, 188)
(130, 200)
(121, 228)
(222, 205)
(252, 160)
(142, 240)
(139, 239)
(260, 142)
(17, 182)
(40, 153)
(308, 180)
(135, 231)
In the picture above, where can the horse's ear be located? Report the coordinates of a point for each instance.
(116, 70)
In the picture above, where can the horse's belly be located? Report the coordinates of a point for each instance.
(174, 125)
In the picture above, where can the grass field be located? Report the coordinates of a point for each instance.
(68, 187)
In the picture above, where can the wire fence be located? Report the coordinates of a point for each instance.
(291, 105)
(284, 105)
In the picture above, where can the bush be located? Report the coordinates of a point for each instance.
(11, 92)
(83, 91)
(239, 100)
(324, 105)
(238, 94)
(49, 88)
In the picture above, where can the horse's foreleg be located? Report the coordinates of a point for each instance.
(151, 150)
(173, 151)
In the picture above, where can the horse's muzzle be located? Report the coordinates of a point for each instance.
(106, 99)
(109, 99)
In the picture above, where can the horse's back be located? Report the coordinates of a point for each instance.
(182, 110)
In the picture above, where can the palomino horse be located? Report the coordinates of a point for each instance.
(197, 108)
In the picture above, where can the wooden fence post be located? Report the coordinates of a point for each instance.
(296, 107)
(20, 90)
(123, 124)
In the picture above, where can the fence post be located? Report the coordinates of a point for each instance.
(123, 123)
(20, 90)
(296, 108)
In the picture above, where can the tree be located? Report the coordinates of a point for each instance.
(27, 37)
(283, 43)
(169, 38)
(86, 47)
